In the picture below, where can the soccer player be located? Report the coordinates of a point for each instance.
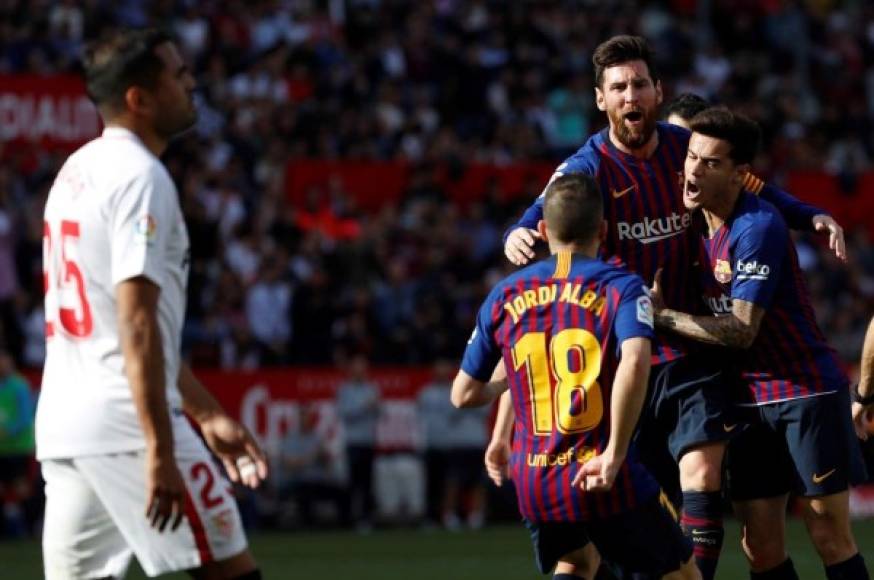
(574, 334)
(798, 397)
(637, 161)
(125, 472)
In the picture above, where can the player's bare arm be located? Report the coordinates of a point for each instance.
(241, 455)
(140, 339)
(865, 389)
(737, 329)
(468, 392)
(629, 393)
(497, 457)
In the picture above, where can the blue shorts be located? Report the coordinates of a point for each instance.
(806, 446)
(645, 540)
(690, 402)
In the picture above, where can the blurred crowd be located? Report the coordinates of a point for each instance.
(431, 83)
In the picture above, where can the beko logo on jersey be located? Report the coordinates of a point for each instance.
(752, 270)
(652, 230)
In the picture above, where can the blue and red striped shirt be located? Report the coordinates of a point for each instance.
(751, 257)
(558, 325)
(643, 204)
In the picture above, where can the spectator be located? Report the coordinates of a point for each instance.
(435, 410)
(17, 405)
(358, 407)
(309, 471)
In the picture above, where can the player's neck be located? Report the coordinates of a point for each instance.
(644, 152)
(146, 135)
(718, 213)
(587, 250)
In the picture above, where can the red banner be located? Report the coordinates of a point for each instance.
(52, 111)
(268, 401)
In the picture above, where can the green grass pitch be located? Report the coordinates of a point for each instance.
(502, 552)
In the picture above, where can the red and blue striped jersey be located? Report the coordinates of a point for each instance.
(558, 325)
(752, 258)
(643, 205)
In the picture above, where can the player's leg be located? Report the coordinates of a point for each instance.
(80, 539)
(240, 567)
(817, 436)
(763, 535)
(701, 482)
(581, 563)
(703, 422)
(646, 540)
(760, 471)
(828, 523)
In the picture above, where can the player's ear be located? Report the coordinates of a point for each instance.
(600, 101)
(541, 229)
(136, 100)
(740, 173)
(658, 90)
(602, 233)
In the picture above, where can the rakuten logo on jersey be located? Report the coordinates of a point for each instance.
(652, 230)
(752, 270)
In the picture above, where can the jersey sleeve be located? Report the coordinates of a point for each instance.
(634, 314)
(580, 162)
(798, 215)
(143, 215)
(757, 257)
(482, 352)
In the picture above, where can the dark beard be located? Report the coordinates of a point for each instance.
(632, 140)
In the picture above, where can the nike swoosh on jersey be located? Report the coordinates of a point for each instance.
(820, 478)
(729, 428)
(618, 194)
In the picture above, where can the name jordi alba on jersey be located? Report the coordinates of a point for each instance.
(557, 325)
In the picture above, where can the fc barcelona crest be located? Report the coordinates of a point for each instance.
(722, 272)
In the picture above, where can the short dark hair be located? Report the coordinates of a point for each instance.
(741, 132)
(121, 59)
(573, 208)
(686, 105)
(619, 49)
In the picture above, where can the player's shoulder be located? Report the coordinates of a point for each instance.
(119, 158)
(615, 277)
(672, 130)
(756, 215)
(585, 159)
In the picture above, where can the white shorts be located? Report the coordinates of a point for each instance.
(95, 517)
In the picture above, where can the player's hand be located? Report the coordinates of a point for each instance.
(241, 455)
(165, 491)
(498, 461)
(862, 416)
(519, 247)
(598, 473)
(825, 223)
(655, 293)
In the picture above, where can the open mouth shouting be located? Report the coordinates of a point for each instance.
(634, 119)
(691, 192)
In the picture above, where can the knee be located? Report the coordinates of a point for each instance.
(831, 537)
(700, 472)
(764, 551)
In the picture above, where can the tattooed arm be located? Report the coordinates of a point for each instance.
(736, 330)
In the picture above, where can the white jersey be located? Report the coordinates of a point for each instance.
(112, 214)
